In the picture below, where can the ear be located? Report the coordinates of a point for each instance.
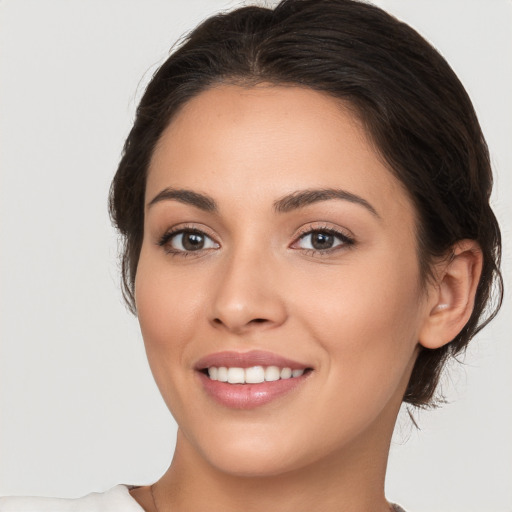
(452, 298)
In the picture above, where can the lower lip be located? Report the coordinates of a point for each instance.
(249, 396)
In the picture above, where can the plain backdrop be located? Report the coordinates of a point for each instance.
(79, 409)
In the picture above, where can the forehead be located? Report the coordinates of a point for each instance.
(270, 140)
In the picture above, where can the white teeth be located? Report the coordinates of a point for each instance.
(255, 375)
(286, 373)
(272, 373)
(236, 375)
(222, 374)
(252, 375)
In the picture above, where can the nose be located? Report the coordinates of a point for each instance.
(247, 294)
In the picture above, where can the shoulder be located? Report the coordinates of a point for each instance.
(114, 500)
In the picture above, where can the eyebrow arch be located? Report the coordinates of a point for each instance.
(287, 203)
(302, 198)
(201, 201)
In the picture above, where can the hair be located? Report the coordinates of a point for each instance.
(414, 109)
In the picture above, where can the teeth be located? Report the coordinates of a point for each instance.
(255, 375)
(222, 374)
(286, 373)
(236, 375)
(272, 373)
(252, 375)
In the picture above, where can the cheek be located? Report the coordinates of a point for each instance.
(368, 331)
(367, 319)
(167, 309)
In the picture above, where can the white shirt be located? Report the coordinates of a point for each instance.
(117, 499)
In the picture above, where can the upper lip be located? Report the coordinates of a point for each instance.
(235, 359)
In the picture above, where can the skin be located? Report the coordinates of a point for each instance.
(356, 313)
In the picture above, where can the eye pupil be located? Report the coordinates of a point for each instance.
(321, 240)
(192, 241)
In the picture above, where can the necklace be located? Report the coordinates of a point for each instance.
(153, 496)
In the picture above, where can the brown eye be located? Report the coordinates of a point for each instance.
(192, 241)
(187, 240)
(323, 240)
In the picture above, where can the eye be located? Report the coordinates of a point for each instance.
(322, 240)
(186, 241)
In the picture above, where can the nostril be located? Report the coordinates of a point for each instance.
(255, 320)
(239, 324)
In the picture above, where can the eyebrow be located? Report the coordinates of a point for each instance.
(287, 203)
(306, 197)
(201, 201)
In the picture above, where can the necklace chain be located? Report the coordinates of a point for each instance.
(154, 499)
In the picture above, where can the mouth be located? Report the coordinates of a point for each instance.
(253, 374)
(246, 380)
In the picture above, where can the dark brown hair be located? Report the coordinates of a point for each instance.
(413, 106)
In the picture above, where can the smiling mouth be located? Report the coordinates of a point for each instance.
(253, 374)
(248, 380)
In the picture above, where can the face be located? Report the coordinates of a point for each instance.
(276, 242)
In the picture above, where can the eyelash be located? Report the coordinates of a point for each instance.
(346, 241)
(167, 237)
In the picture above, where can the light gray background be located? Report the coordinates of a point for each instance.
(79, 409)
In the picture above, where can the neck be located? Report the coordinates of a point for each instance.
(349, 480)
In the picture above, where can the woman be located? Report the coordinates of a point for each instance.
(304, 199)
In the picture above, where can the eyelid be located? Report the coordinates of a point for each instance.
(170, 233)
(343, 234)
(324, 226)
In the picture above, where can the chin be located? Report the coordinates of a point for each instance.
(252, 465)
(255, 452)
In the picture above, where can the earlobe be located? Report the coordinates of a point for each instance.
(452, 300)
